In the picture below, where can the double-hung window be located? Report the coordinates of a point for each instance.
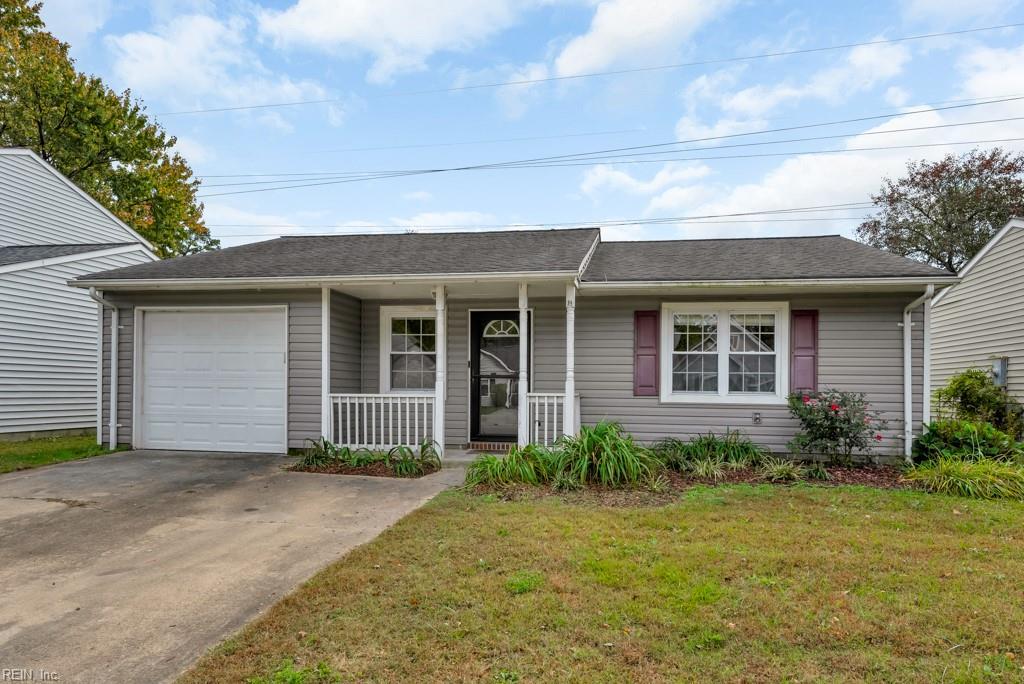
(408, 349)
(725, 352)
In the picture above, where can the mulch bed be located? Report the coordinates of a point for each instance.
(883, 477)
(373, 470)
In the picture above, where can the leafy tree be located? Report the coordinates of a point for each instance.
(944, 212)
(100, 139)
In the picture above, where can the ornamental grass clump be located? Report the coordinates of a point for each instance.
(531, 464)
(834, 424)
(980, 479)
(602, 454)
(733, 451)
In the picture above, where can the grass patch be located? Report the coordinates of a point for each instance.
(33, 453)
(732, 583)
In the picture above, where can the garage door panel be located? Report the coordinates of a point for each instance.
(214, 381)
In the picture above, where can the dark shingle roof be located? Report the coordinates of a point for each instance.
(827, 256)
(370, 255)
(20, 254)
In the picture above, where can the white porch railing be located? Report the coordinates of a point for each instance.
(382, 421)
(547, 416)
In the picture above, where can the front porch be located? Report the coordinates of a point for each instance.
(401, 365)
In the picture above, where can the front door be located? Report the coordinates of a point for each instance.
(494, 368)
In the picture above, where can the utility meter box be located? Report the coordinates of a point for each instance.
(1000, 366)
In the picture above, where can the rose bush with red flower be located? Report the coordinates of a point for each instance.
(834, 424)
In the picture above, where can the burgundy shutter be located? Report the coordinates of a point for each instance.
(805, 351)
(645, 353)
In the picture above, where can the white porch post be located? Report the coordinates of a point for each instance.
(524, 360)
(569, 407)
(326, 420)
(440, 367)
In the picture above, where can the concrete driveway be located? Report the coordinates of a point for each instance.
(128, 567)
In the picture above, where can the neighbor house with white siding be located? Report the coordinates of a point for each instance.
(483, 339)
(980, 321)
(51, 232)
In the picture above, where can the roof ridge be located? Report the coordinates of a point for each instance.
(732, 239)
(448, 232)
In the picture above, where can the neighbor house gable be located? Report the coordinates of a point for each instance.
(40, 206)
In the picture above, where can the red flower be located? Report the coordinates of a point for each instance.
(834, 407)
(806, 399)
(878, 438)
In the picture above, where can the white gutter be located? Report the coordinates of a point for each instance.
(98, 297)
(792, 282)
(908, 367)
(318, 281)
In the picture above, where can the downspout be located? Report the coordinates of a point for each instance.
(908, 367)
(112, 429)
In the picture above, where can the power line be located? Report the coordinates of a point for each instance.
(563, 164)
(616, 72)
(481, 142)
(729, 136)
(813, 209)
(614, 158)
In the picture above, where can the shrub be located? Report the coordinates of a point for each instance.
(603, 454)
(834, 424)
(981, 479)
(319, 453)
(531, 464)
(973, 396)
(967, 441)
(733, 450)
(781, 470)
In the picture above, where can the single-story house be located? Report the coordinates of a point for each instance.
(385, 339)
(979, 323)
(50, 232)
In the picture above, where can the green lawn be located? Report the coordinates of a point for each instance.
(33, 453)
(736, 583)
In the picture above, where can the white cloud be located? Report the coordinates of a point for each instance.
(399, 34)
(199, 61)
(73, 21)
(896, 96)
(193, 151)
(515, 100)
(955, 11)
(418, 196)
(630, 30)
(688, 128)
(863, 68)
(604, 177)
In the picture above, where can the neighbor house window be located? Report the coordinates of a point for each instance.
(730, 353)
(408, 349)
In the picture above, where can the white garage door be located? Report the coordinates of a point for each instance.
(214, 380)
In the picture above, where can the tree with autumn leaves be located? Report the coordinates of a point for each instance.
(944, 212)
(100, 139)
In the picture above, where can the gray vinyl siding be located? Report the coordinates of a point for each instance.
(983, 317)
(304, 396)
(346, 343)
(860, 349)
(48, 336)
(38, 208)
(548, 352)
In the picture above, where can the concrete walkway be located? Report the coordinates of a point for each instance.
(126, 568)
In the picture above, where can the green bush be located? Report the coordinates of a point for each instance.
(531, 464)
(966, 440)
(834, 424)
(973, 396)
(981, 479)
(733, 450)
(602, 454)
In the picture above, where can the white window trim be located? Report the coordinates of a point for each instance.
(387, 314)
(724, 310)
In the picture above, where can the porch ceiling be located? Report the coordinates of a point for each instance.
(460, 289)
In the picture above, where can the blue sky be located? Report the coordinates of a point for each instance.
(374, 59)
